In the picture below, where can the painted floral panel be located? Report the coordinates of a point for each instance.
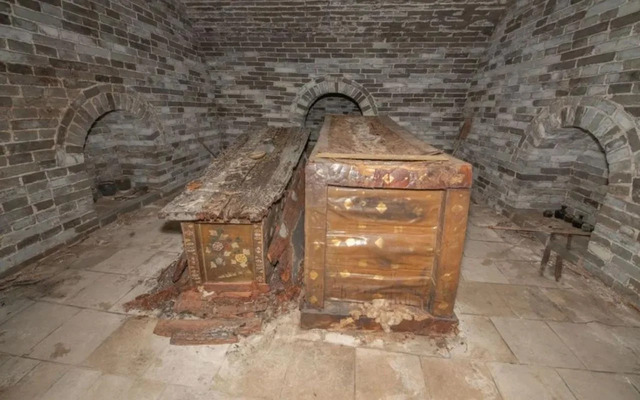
(227, 252)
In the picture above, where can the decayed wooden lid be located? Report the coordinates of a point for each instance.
(244, 182)
(371, 138)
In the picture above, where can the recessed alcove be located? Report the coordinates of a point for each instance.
(119, 150)
(330, 103)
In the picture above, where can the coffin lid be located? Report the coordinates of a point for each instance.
(243, 183)
(371, 138)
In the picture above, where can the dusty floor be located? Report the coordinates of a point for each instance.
(522, 336)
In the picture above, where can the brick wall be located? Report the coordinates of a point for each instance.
(554, 65)
(414, 58)
(63, 64)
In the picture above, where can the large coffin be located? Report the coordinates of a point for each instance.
(385, 218)
(231, 215)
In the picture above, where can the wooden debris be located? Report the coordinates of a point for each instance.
(206, 331)
(574, 232)
(26, 276)
(181, 266)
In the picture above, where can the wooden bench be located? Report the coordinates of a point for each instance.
(235, 211)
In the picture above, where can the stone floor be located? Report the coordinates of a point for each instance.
(522, 336)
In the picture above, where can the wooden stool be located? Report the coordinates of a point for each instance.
(559, 258)
(552, 230)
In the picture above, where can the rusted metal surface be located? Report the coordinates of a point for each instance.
(388, 227)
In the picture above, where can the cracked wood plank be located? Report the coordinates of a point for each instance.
(242, 184)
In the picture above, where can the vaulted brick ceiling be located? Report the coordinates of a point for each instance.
(452, 21)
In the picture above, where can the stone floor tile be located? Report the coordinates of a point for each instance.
(458, 380)
(124, 261)
(628, 337)
(431, 346)
(73, 385)
(157, 236)
(597, 347)
(530, 302)
(130, 349)
(21, 333)
(527, 273)
(35, 383)
(88, 256)
(12, 369)
(116, 387)
(629, 316)
(187, 365)
(529, 382)
(403, 377)
(238, 373)
(342, 339)
(480, 215)
(105, 292)
(478, 339)
(482, 234)
(62, 287)
(108, 387)
(635, 381)
(78, 337)
(487, 250)
(523, 251)
(475, 270)
(478, 298)
(523, 239)
(177, 392)
(588, 385)
(533, 342)
(12, 305)
(320, 371)
(158, 262)
(145, 286)
(583, 307)
(144, 390)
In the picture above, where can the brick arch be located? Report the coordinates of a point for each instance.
(91, 104)
(615, 130)
(317, 88)
(617, 134)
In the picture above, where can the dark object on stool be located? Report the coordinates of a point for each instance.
(123, 184)
(547, 213)
(577, 223)
(587, 227)
(561, 212)
(107, 188)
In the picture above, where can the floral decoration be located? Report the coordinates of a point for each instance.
(228, 250)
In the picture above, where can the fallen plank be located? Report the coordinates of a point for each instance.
(576, 232)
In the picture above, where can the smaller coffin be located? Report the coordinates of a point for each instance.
(249, 198)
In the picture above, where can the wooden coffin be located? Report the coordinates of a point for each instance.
(385, 218)
(231, 215)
